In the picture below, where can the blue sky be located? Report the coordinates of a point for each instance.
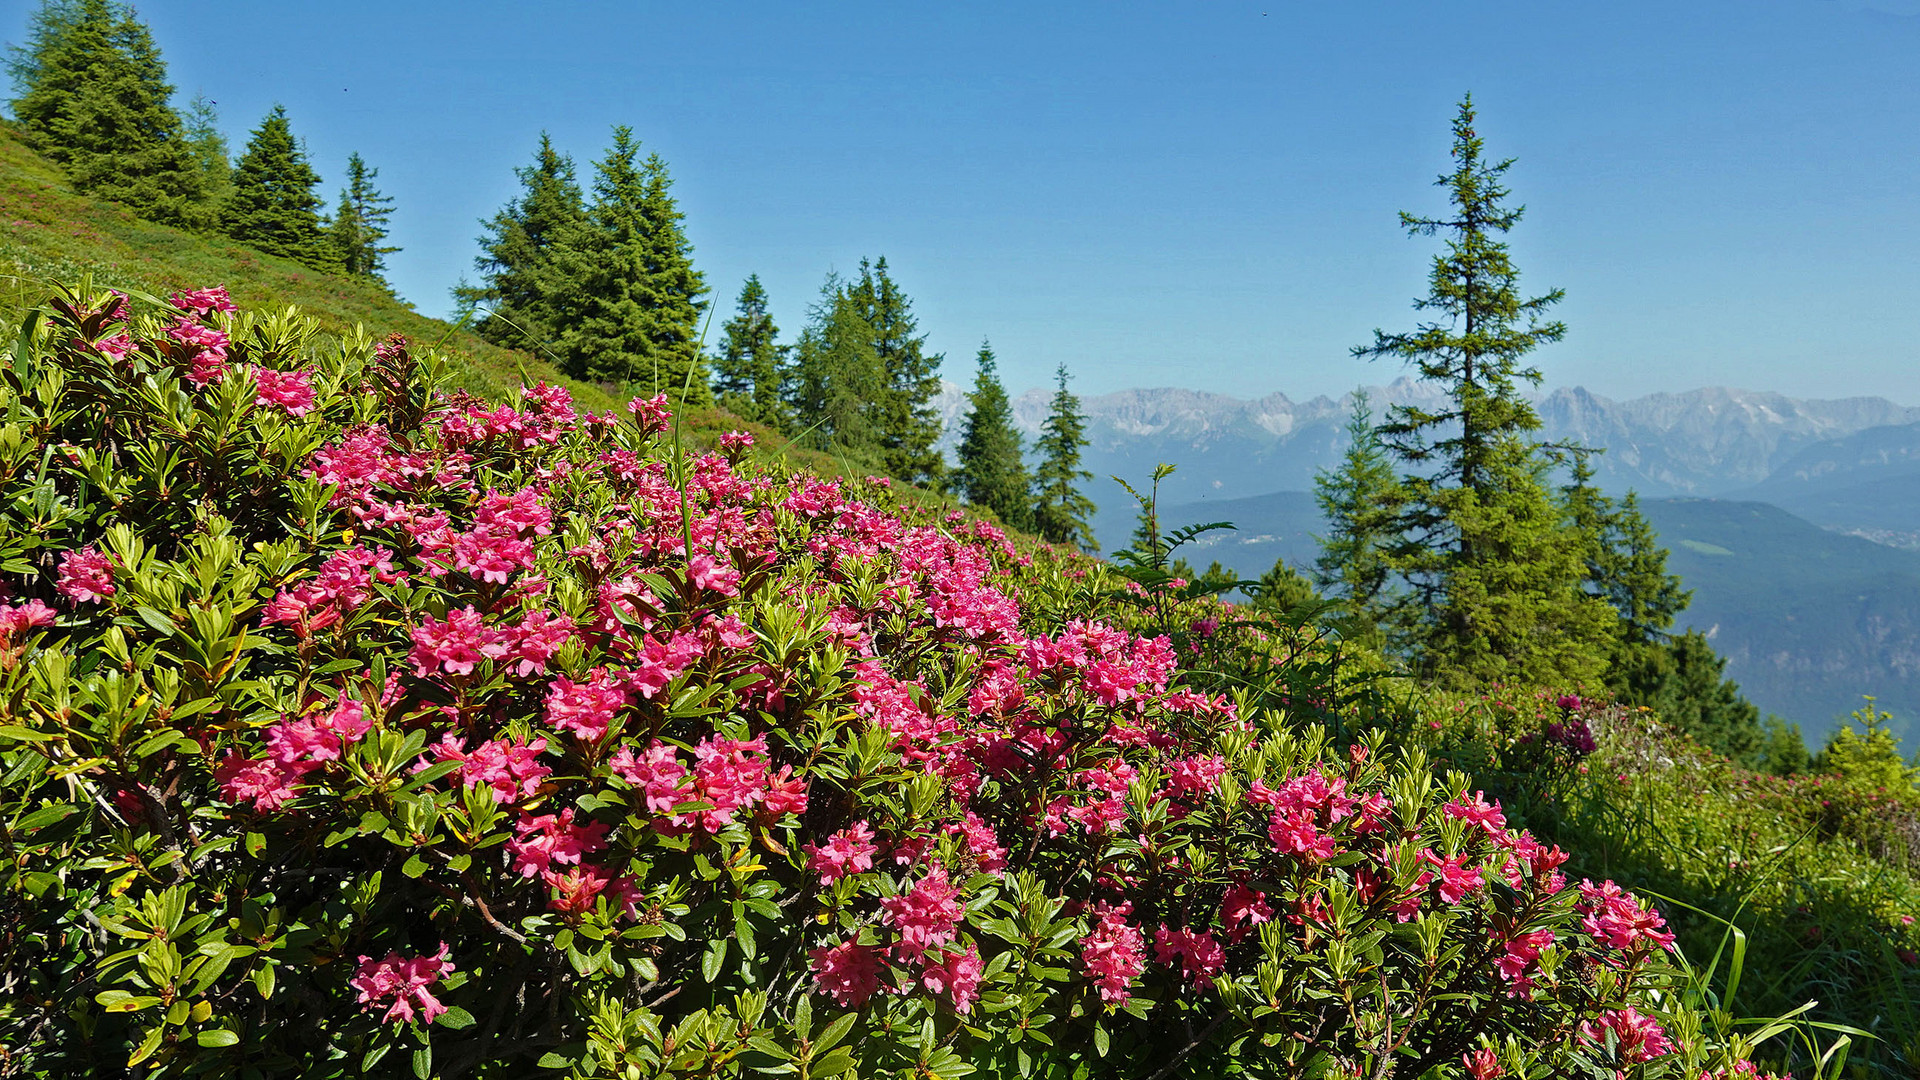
(1197, 194)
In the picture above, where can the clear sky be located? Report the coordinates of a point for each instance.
(1191, 194)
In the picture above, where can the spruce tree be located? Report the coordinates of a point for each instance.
(747, 373)
(991, 471)
(1361, 501)
(638, 316)
(1060, 511)
(837, 377)
(94, 99)
(272, 206)
(209, 148)
(526, 296)
(907, 421)
(1495, 588)
(1693, 694)
(1283, 589)
(360, 224)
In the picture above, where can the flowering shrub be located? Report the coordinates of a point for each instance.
(351, 728)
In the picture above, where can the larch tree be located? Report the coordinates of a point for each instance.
(906, 419)
(637, 320)
(1061, 512)
(991, 471)
(747, 373)
(271, 205)
(1495, 588)
(95, 100)
(525, 298)
(360, 224)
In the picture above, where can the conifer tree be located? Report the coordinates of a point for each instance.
(1692, 694)
(209, 148)
(1283, 589)
(638, 311)
(94, 99)
(1495, 588)
(272, 206)
(747, 373)
(525, 294)
(1060, 511)
(360, 223)
(907, 422)
(991, 471)
(837, 377)
(1361, 501)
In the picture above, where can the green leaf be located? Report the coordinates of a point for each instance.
(147, 1046)
(263, 981)
(46, 816)
(423, 1062)
(715, 956)
(456, 1018)
(552, 1060)
(834, 1064)
(256, 843)
(218, 1037)
(414, 866)
(1100, 1039)
(21, 734)
(834, 1032)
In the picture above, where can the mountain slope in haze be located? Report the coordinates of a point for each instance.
(1710, 441)
(1866, 483)
(1807, 618)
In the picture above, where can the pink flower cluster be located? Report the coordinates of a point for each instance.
(730, 775)
(1616, 918)
(86, 576)
(1114, 953)
(1635, 1037)
(289, 391)
(401, 983)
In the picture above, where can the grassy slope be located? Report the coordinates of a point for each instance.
(50, 234)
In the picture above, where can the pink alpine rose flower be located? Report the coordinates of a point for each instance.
(86, 576)
(401, 983)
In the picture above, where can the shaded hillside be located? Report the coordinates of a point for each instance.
(1808, 619)
(50, 234)
(1866, 483)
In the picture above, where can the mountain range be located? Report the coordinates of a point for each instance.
(1796, 522)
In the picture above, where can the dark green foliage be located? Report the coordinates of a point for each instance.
(94, 98)
(992, 472)
(837, 377)
(747, 373)
(1494, 587)
(1283, 589)
(1361, 500)
(361, 223)
(525, 297)
(904, 418)
(272, 206)
(1783, 751)
(1060, 511)
(637, 319)
(1690, 691)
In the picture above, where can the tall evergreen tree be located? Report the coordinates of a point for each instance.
(1361, 501)
(1283, 589)
(639, 305)
(747, 373)
(272, 205)
(837, 377)
(992, 472)
(1693, 694)
(907, 421)
(1060, 511)
(94, 99)
(360, 223)
(525, 294)
(1495, 588)
(209, 148)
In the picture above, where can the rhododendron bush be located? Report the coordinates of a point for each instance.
(352, 728)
